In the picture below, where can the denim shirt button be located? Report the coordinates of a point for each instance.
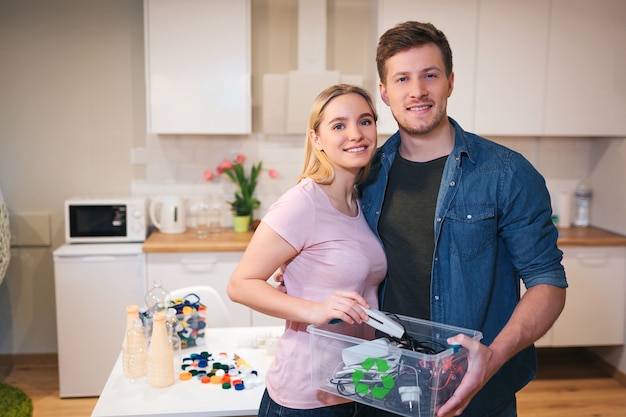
(439, 219)
(452, 183)
(469, 216)
(436, 298)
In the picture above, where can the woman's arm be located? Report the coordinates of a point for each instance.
(248, 285)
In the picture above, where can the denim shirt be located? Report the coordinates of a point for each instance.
(492, 227)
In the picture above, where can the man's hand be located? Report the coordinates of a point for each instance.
(479, 370)
(535, 313)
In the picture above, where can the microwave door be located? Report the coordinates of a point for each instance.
(97, 221)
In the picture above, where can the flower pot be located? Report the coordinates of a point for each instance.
(241, 223)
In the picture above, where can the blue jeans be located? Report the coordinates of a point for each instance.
(507, 409)
(269, 408)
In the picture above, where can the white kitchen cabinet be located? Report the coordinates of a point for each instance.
(182, 269)
(532, 68)
(458, 19)
(586, 87)
(595, 312)
(198, 66)
(510, 74)
(177, 270)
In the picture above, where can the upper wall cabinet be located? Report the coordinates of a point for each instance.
(586, 73)
(198, 66)
(511, 62)
(458, 20)
(531, 68)
(551, 68)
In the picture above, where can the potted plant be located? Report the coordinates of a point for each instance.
(245, 202)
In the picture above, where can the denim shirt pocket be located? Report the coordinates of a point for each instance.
(472, 228)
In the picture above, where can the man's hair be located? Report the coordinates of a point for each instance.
(407, 35)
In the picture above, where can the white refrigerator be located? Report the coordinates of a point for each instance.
(93, 285)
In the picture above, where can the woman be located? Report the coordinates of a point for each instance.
(331, 261)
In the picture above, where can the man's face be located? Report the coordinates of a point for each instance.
(417, 89)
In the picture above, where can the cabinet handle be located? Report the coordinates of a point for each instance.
(199, 265)
(593, 259)
(101, 258)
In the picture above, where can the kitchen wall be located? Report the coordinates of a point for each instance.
(72, 122)
(71, 108)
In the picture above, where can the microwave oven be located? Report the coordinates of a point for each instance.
(102, 220)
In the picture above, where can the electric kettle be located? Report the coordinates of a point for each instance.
(168, 214)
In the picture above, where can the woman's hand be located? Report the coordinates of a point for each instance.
(342, 305)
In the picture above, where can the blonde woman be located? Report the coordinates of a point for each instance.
(331, 260)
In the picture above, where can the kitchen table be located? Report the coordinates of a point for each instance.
(123, 398)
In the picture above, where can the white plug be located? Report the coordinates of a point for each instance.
(409, 394)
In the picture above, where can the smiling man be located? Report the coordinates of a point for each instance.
(463, 220)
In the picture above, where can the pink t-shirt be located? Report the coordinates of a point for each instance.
(336, 252)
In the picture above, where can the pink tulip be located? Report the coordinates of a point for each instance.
(208, 175)
(226, 164)
(273, 173)
(241, 158)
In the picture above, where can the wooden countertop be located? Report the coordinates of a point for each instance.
(589, 236)
(228, 240)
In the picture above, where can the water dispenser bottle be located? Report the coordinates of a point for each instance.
(583, 201)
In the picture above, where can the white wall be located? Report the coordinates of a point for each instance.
(608, 175)
(71, 108)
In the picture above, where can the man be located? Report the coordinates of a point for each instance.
(462, 220)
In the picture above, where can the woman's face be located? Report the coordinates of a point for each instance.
(347, 133)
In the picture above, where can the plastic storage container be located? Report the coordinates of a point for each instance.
(353, 362)
(191, 315)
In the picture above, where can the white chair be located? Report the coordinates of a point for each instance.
(216, 312)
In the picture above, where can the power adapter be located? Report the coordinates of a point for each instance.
(410, 395)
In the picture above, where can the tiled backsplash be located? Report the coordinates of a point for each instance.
(175, 164)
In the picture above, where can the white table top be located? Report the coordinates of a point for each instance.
(124, 398)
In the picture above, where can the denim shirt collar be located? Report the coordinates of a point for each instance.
(462, 146)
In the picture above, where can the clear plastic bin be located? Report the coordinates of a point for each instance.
(359, 363)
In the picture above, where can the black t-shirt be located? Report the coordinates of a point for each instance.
(407, 230)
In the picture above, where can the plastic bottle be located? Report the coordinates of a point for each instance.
(173, 327)
(132, 313)
(136, 353)
(583, 201)
(146, 319)
(158, 298)
(160, 354)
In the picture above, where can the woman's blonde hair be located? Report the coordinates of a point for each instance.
(317, 166)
